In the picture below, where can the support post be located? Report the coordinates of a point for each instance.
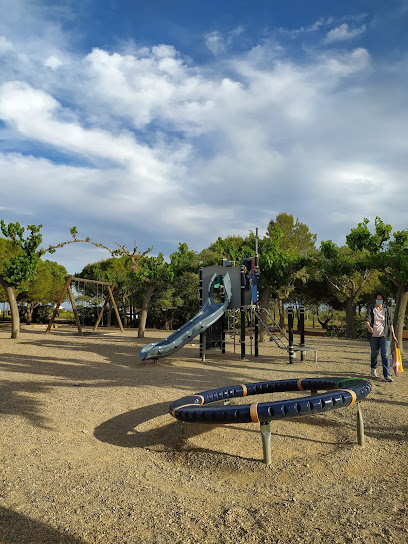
(60, 301)
(115, 308)
(257, 294)
(290, 327)
(103, 308)
(72, 301)
(242, 312)
(360, 426)
(256, 335)
(223, 319)
(301, 327)
(266, 441)
(202, 339)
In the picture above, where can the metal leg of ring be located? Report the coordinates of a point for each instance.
(360, 426)
(266, 441)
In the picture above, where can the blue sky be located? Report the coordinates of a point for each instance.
(167, 121)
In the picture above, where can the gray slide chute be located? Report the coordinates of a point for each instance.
(207, 316)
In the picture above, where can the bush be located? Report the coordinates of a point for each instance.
(41, 314)
(340, 330)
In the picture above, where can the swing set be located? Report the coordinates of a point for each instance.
(108, 298)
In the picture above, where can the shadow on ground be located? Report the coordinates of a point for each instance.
(18, 529)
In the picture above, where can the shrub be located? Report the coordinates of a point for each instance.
(340, 330)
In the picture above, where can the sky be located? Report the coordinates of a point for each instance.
(168, 121)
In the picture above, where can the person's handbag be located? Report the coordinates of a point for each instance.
(397, 361)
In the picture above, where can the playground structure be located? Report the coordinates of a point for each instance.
(210, 312)
(67, 288)
(236, 288)
(341, 393)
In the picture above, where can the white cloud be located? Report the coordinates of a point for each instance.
(343, 33)
(215, 43)
(53, 62)
(5, 45)
(150, 145)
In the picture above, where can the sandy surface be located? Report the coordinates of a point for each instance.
(89, 453)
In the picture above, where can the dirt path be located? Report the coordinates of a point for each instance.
(90, 455)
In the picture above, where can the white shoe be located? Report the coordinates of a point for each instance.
(374, 372)
(388, 379)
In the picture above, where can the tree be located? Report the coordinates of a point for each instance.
(21, 259)
(233, 248)
(283, 259)
(44, 288)
(20, 264)
(155, 272)
(388, 255)
(347, 274)
(118, 270)
(296, 236)
(168, 302)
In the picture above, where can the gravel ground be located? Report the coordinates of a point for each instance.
(89, 453)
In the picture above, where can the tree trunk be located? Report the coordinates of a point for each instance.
(168, 319)
(281, 305)
(145, 307)
(350, 312)
(401, 301)
(15, 317)
(125, 310)
(31, 306)
(266, 297)
(109, 324)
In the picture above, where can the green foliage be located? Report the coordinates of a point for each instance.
(233, 248)
(280, 261)
(156, 271)
(41, 314)
(47, 284)
(361, 238)
(184, 260)
(23, 262)
(291, 235)
(337, 330)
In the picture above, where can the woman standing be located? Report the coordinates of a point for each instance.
(380, 327)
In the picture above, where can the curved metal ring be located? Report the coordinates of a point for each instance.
(341, 392)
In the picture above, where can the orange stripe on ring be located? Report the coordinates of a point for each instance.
(352, 393)
(244, 390)
(253, 412)
(173, 413)
(299, 384)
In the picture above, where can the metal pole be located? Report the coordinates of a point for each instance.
(200, 292)
(242, 312)
(266, 441)
(223, 320)
(302, 329)
(256, 315)
(204, 341)
(290, 327)
(360, 426)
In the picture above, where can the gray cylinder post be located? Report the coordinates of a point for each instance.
(360, 426)
(301, 328)
(290, 327)
(202, 339)
(256, 315)
(223, 320)
(242, 312)
(266, 441)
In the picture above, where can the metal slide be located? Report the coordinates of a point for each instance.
(207, 316)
